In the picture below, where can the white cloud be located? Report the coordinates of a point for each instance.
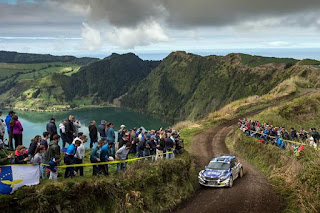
(91, 37)
(142, 35)
(279, 44)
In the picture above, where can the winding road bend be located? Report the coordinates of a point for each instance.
(252, 193)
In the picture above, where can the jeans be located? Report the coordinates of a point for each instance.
(10, 140)
(78, 161)
(169, 155)
(121, 166)
(43, 172)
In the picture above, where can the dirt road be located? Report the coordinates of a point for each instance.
(252, 193)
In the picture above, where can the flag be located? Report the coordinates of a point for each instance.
(13, 177)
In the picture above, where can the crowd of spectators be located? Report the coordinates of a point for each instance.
(47, 151)
(279, 135)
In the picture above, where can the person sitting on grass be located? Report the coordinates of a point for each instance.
(95, 157)
(122, 154)
(54, 162)
(21, 156)
(69, 158)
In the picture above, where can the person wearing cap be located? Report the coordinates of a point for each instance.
(2, 127)
(5, 156)
(52, 128)
(7, 120)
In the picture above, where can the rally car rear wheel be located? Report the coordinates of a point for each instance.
(231, 182)
(241, 173)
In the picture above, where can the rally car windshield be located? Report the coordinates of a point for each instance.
(218, 166)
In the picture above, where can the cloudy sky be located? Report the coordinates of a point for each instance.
(99, 27)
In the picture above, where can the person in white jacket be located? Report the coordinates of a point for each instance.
(80, 153)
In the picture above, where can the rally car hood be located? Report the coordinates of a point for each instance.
(214, 173)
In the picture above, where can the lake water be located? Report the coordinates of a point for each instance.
(34, 123)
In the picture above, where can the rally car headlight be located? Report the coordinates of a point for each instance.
(223, 178)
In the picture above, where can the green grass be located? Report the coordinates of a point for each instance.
(143, 187)
(297, 179)
(254, 61)
(309, 62)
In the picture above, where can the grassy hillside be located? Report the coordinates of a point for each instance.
(107, 79)
(64, 85)
(25, 58)
(35, 86)
(143, 187)
(187, 86)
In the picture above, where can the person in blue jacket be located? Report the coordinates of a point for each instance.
(7, 120)
(111, 136)
(95, 157)
(104, 157)
(69, 158)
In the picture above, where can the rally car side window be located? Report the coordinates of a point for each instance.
(232, 164)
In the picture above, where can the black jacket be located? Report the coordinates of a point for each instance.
(32, 148)
(93, 131)
(52, 128)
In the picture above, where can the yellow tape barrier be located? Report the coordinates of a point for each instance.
(94, 164)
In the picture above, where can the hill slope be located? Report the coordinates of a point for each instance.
(187, 86)
(63, 85)
(15, 57)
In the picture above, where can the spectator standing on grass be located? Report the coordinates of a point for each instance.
(121, 134)
(93, 133)
(77, 126)
(102, 129)
(52, 128)
(160, 147)
(62, 128)
(80, 153)
(69, 158)
(54, 148)
(95, 157)
(10, 135)
(35, 142)
(122, 154)
(38, 157)
(111, 136)
(44, 141)
(2, 127)
(54, 162)
(169, 146)
(105, 156)
(70, 130)
(133, 141)
(17, 130)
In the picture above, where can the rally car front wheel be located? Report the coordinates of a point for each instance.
(241, 173)
(231, 182)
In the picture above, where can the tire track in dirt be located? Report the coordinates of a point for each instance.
(252, 193)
